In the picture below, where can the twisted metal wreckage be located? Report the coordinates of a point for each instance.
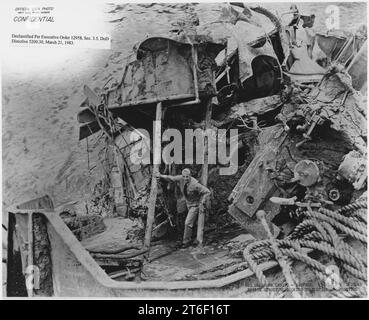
(303, 124)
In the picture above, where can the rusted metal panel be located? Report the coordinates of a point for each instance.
(255, 185)
(164, 70)
(161, 73)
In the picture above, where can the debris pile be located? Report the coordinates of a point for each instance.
(83, 226)
(301, 143)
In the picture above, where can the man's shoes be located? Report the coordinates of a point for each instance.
(185, 245)
(195, 243)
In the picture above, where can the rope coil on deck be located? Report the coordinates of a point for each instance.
(319, 232)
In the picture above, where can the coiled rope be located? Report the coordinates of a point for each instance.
(319, 231)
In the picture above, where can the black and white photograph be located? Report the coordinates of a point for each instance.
(182, 150)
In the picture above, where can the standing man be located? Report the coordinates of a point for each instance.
(195, 195)
(294, 22)
(310, 33)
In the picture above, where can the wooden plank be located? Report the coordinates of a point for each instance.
(116, 250)
(204, 175)
(121, 256)
(155, 171)
(128, 273)
(160, 251)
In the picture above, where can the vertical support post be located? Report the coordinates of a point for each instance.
(117, 184)
(124, 167)
(30, 251)
(155, 171)
(88, 155)
(204, 175)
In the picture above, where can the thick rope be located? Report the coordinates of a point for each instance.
(319, 232)
(360, 227)
(352, 233)
(351, 292)
(361, 214)
(255, 268)
(358, 204)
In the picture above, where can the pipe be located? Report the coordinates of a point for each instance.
(153, 100)
(225, 72)
(196, 101)
(161, 224)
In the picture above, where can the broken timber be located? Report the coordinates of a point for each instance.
(204, 175)
(154, 182)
